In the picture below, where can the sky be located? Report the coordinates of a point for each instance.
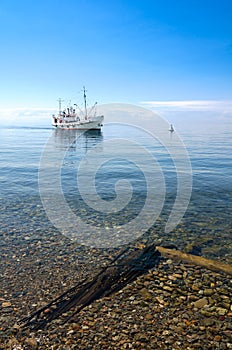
(166, 55)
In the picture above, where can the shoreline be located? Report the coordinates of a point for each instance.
(176, 305)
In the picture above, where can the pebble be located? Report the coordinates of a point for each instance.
(200, 303)
(31, 343)
(6, 304)
(221, 311)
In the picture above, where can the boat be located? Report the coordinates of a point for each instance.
(171, 128)
(73, 118)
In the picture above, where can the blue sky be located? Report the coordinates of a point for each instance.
(122, 51)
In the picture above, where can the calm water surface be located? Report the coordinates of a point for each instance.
(206, 223)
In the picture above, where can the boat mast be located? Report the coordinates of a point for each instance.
(60, 100)
(85, 103)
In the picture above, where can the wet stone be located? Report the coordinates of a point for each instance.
(6, 304)
(200, 303)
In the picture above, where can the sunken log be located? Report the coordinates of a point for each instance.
(125, 268)
(209, 264)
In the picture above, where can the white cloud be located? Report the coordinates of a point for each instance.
(25, 116)
(24, 109)
(191, 105)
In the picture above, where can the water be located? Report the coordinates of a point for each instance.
(206, 222)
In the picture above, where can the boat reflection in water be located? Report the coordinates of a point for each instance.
(65, 151)
(76, 140)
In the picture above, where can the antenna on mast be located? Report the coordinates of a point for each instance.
(85, 103)
(60, 101)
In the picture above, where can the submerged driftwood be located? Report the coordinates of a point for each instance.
(125, 268)
(209, 264)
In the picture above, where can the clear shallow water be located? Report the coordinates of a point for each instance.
(206, 223)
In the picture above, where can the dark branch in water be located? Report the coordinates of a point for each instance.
(124, 269)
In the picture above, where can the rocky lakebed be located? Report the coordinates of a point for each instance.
(175, 305)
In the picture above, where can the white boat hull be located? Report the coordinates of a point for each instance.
(90, 124)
